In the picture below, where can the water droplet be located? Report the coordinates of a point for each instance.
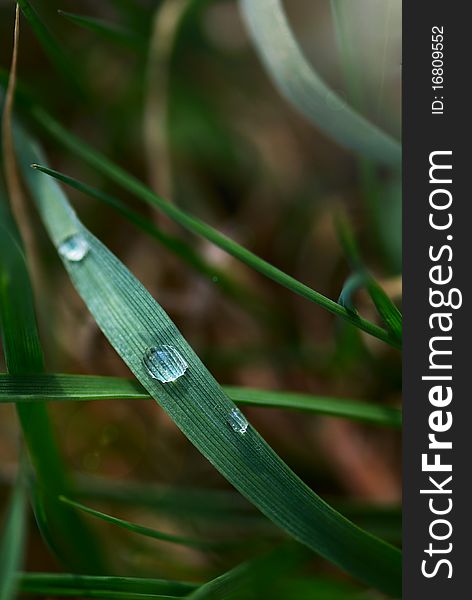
(74, 248)
(238, 421)
(164, 363)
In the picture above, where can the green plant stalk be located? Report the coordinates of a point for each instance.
(72, 388)
(141, 530)
(105, 166)
(390, 314)
(23, 355)
(230, 287)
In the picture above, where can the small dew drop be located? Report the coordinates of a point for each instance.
(164, 363)
(238, 421)
(74, 248)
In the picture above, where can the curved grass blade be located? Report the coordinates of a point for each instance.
(13, 538)
(65, 584)
(139, 529)
(390, 314)
(253, 577)
(195, 225)
(69, 388)
(230, 287)
(109, 31)
(386, 308)
(133, 322)
(67, 68)
(301, 86)
(23, 354)
(353, 283)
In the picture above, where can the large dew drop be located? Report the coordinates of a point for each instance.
(164, 363)
(74, 248)
(238, 421)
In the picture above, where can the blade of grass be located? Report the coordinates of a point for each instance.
(23, 355)
(254, 578)
(109, 31)
(390, 314)
(71, 388)
(348, 55)
(354, 282)
(224, 505)
(383, 205)
(139, 529)
(13, 538)
(336, 407)
(133, 321)
(299, 83)
(166, 21)
(230, 287)
(67, 68)
(65, 584)
(195, 225)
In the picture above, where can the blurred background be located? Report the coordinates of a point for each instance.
(180, 99)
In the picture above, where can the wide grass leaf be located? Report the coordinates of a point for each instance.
(67, 388)
(301, 85)
(134, 322)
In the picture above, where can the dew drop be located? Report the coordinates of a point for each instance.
(164, 363)
(238, 421)
(74, 248)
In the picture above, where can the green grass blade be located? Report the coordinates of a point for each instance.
(195, 225)
(65, 584)
(254, 578)
(139, 529)
(67, 68)
(228, 506)
(231, 288)
(390, 314)
(23, 355)
(336, 407)
(386, 308)
(300, 84)
(69, 388)
(107, 30)
(133, 321)
(13, 539)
